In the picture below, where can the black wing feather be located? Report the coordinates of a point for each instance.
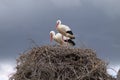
(70, 41)
(70, 32)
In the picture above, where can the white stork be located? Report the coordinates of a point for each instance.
(64, 30)
(62, 40)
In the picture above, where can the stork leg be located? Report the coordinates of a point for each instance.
(66, 43)
(62, 40)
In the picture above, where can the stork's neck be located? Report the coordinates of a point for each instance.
(53, 34)
(57, 24)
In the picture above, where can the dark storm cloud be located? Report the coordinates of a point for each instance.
(95, 22)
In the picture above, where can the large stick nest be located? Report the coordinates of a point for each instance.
(60, 63)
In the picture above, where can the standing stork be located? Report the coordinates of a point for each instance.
(64, 30)
(59, 38)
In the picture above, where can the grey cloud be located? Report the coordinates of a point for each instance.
(110, 7)
(66, 3)
(24, 19)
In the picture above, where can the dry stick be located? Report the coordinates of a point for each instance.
(60, 74)
(32, 41)
(50, 63)
(48, 57)
(74, 71)
(80, 78)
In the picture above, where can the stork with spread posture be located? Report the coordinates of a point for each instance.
(64, 30)
(62, 40)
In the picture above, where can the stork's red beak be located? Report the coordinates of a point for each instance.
(57, 24)
(50, 37)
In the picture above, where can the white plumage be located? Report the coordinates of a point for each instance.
(64, 30)
(57, 37)
(62, 40)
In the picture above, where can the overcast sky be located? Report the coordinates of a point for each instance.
(96, 24)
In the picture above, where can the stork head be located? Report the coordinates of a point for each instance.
(58, 22)
(52, 33)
